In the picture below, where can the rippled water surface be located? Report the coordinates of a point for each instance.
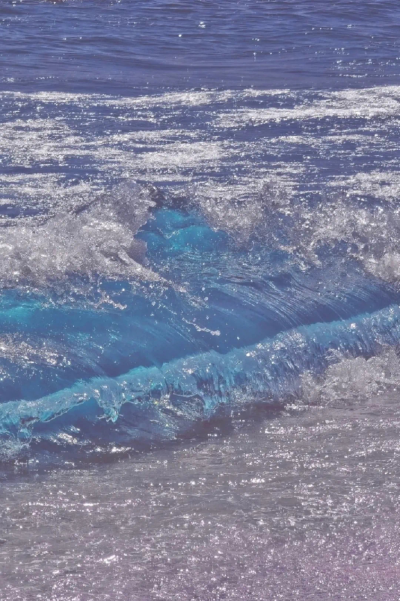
(199, 300)
(116, 45)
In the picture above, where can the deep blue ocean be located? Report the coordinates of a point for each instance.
(200, 296)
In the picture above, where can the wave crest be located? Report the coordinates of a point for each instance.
(154, 404)
(94, 240)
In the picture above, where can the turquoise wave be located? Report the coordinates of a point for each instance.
(90, 360)
(160, 403)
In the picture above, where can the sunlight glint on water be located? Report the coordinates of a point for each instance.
(199, 304)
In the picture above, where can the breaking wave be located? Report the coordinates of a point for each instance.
(250, 272)
(92, 240)
(150, 404)
(134, 318)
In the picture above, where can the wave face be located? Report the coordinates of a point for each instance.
(198, 255)
(151, 404)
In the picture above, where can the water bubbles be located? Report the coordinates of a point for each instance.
(96, 239)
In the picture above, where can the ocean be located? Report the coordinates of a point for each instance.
(199, 300)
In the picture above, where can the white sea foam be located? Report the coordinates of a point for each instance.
(368, 234)
(189, 142)
(243, 210)
(94, 240)
(367, 104)
(354, 379)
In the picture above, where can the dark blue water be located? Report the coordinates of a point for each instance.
(199, 238)
(116, 47)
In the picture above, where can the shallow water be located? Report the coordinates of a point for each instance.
(199, 300)
(302, 504)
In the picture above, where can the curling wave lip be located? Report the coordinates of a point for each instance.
(157, 404)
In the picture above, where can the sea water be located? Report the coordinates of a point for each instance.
(199, 300)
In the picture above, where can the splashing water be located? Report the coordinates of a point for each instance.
(132, 312)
